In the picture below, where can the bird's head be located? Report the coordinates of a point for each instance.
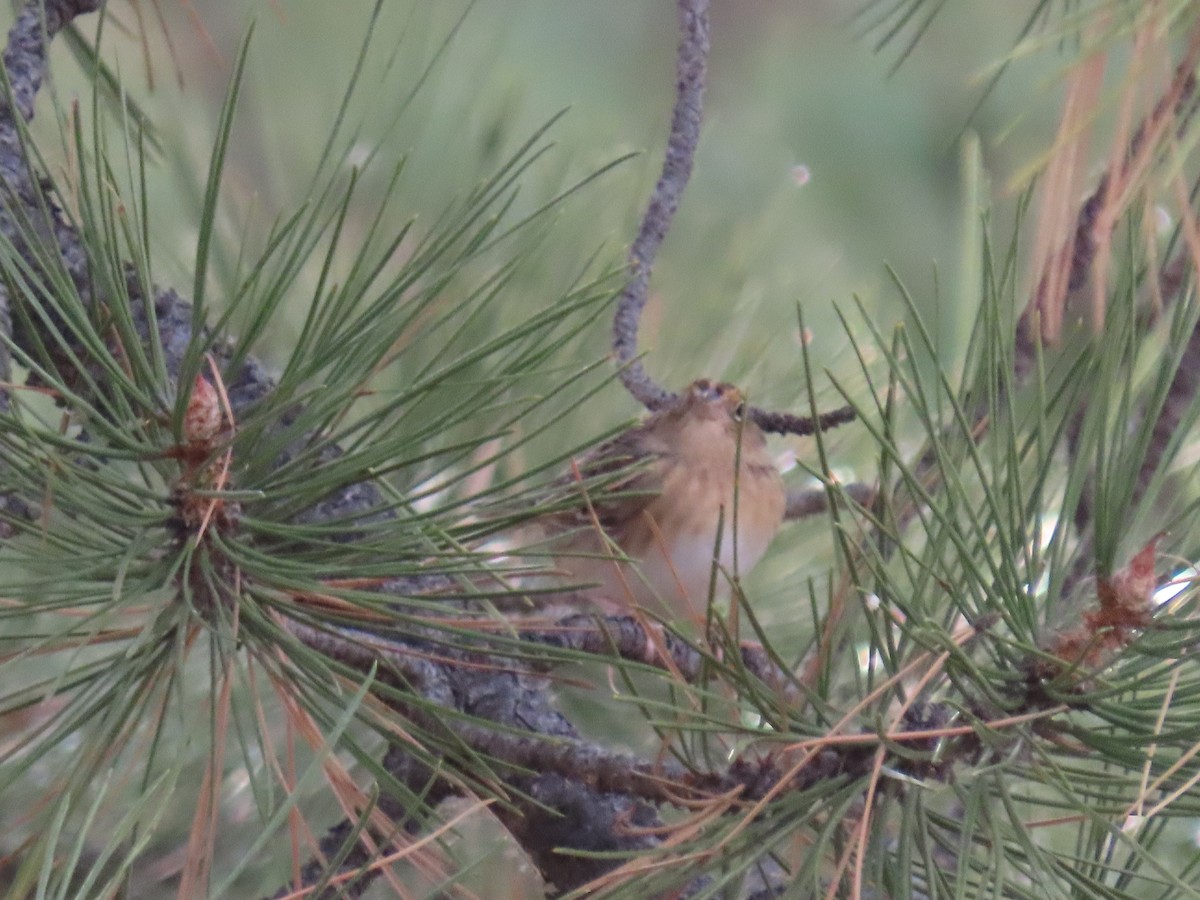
(715, 399)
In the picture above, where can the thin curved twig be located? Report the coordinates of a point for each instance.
(691, 66)
(805, 502)
(786, 423)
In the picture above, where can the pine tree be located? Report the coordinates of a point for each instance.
(287, 620)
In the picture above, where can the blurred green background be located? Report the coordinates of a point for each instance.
(791, 85)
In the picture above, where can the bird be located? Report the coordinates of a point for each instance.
(652, 499)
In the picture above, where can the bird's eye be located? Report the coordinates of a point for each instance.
(739, 411)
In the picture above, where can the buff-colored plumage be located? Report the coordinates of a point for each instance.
(663, 513)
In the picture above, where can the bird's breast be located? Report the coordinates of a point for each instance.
(678, 543)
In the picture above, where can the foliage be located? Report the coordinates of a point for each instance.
(247, 602)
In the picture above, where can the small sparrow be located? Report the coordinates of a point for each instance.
(649, 538)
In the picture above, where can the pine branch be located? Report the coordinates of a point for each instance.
(515, 719)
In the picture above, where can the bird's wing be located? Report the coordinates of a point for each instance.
(613, 484)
